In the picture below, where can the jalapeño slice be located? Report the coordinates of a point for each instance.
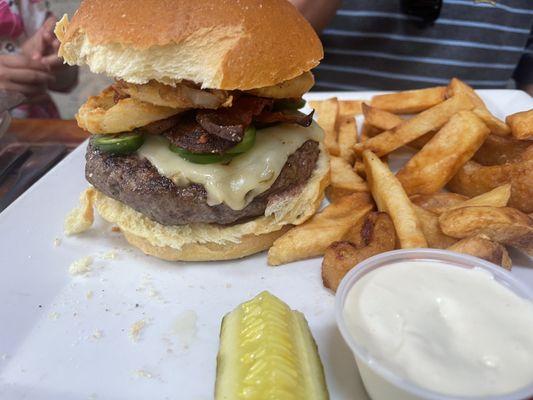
(125, 143)
(246, 143)
(200, 158)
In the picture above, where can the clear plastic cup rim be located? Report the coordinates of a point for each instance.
(502, 276)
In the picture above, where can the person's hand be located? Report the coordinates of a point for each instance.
(19, 73)
(43, 45)
(51, 45)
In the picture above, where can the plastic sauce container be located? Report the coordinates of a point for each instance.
(380, 381)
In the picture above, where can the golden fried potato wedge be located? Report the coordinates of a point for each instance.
(521, 124)
(327, 115)
(313, 237)
(446, 201)
(347, 138)
(481, 246)
(411, 129)
(420, 142)
(502, 224)
(497, 197)
(343, 176)
(374, 224)
(437, 202)
(410, 101)
(500, 150)
(350, 108)
(333, 194)
(456, 86)
(381, 119)
(368, 131)
(429, 222)
(359, 167)
(390, 197)
(474, 179)
(375, 234)
(429, 170)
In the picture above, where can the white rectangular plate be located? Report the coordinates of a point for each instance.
(65, 337)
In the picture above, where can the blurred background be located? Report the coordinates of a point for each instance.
(387, 45)
(89, 84)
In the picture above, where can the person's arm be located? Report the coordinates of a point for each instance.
(318, 12)
(523, 73)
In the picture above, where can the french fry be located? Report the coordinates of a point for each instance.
(521, 124)
(391, 198)
(431, 168)
(328, 113)
(500, 150)
(474, 179)
(481, 246)
(381, 119)
(437, 202)
(344, 177)
(333, 194)
(350, 108)
(429, 222)
(427, 121)
(502, 224)
(313, 237)
(359, 167)
(375, 234)
(377, 120)
(496, 126)
(368, 131)
(446, 201)
(410, 101)
(420, 142)
(497, 197)
(375, 225)
(347, 138)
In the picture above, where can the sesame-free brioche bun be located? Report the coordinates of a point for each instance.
(220, 44)
(209, 242)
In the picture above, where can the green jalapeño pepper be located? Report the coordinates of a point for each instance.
(246, 143)
(201, 158)
(125, 143)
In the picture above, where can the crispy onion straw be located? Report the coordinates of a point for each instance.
(103, 114)
(183, 95)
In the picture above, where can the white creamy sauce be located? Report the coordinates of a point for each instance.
(246, 176)
(452, 330)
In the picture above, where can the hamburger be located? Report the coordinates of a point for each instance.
(198, 150)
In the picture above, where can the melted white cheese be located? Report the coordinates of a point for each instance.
(246, 176)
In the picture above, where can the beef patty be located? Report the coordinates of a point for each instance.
(135, 182)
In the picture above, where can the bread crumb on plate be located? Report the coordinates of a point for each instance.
(144, 374)
(81, 266)
(97, 334)
(136, 330)
(82, 217)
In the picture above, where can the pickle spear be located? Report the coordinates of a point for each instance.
(267, 352)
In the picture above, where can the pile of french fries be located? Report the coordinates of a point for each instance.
(468, 187)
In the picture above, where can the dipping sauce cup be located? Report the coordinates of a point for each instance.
(381, 381)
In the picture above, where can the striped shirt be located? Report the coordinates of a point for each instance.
(371, 44)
